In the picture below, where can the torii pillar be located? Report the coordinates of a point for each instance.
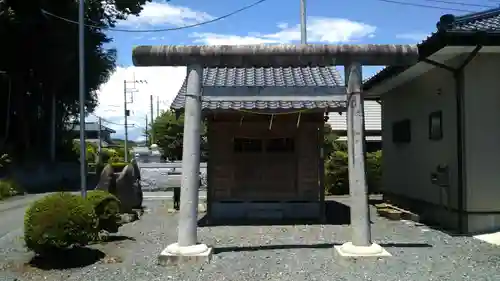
(195, 58)
(361, 244)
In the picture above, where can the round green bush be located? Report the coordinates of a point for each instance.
(59, 221)
(9, 187)
(107, 209)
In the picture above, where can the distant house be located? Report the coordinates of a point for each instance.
(92, 133)
(373, 125)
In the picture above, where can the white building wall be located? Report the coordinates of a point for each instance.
(407, 167)
(482, 127)
(373, 118)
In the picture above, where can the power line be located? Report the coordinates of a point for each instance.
(104, 120)
(162, 29)
(426, 6)
(117, 124)
(461, 3)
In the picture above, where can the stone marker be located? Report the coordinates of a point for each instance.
(177, 198)
(107, 180)
(138, 191)
(137, 171)
(127, 190)
(137, 184)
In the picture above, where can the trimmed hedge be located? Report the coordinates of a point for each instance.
(118, 166)
(107, 209)
(337, 172)
(374, 171)
(59, 221)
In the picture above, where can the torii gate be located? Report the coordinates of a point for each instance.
(198, 57)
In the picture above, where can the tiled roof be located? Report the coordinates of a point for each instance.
(269, 77)
(92, 126)
(485, 21)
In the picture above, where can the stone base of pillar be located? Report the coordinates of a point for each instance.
(175, 254)
(350, 250)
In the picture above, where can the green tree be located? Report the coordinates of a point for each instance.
(336, 166)
(168, 132)
(39, 60)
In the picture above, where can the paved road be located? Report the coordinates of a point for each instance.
(12, 213)
(12, 210)
(165, 195)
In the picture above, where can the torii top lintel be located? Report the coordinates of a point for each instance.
(274, 55)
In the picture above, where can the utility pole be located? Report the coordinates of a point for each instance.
(146, 132)
(157, 106)
(126, 112)
(81, 90)
(303, 26)
(125, 115)
(152, 118)
(53, 129)
(99, 136)
(9, 96)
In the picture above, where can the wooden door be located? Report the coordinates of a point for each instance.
(248, 155)
(265, 169)
(279, 169)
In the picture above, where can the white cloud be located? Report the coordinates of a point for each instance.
(222, 39)
(155, 13)
(163, 82)
(156, 38)
(319, 29)
(413, 36)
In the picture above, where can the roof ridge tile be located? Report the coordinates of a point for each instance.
(478, 15)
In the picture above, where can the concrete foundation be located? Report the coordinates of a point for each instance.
(175, 254)
(350, 250)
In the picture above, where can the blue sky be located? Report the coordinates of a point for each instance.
(274, 21)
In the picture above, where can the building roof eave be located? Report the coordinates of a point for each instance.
(433, 44)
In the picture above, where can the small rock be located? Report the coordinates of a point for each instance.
(112, 260)
(128, 218)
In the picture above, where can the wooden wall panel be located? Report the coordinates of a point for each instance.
(261, 177)
(220, 154)
(308, 174)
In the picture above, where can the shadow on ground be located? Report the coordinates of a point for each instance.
(424, 221)
(117, 238)
(431, 224)
(71, 258)
(218, 250)
(336, 213)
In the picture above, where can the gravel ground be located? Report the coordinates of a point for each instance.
(285, 252)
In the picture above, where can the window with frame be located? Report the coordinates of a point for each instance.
(401, 131)
(280, 145)
(247, 145)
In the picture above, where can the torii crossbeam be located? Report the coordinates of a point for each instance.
(198, 57)
(274, 55)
